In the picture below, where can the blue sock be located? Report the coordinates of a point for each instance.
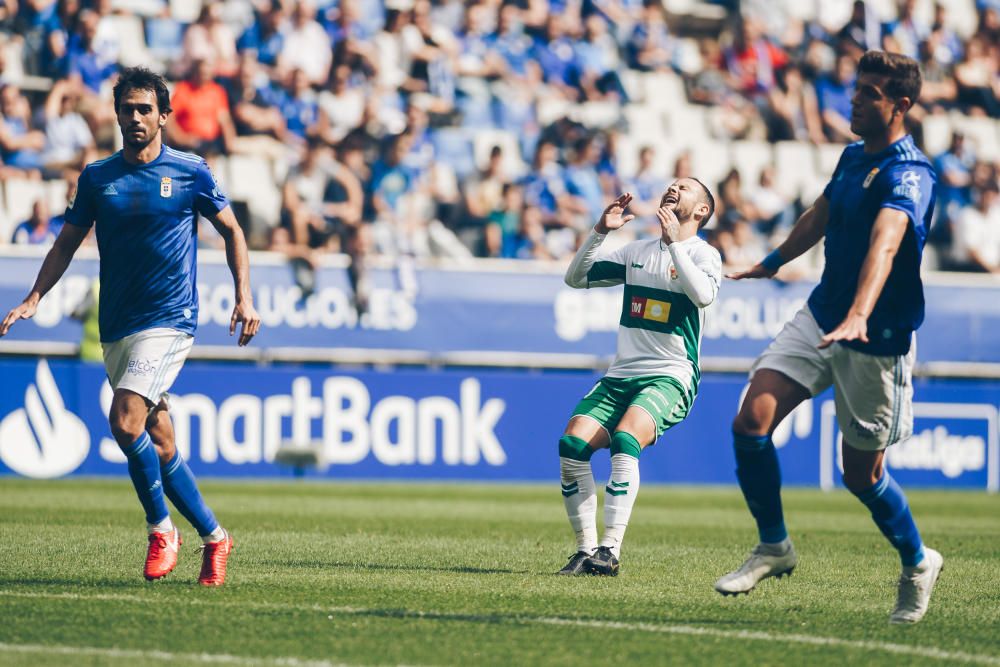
(760, 479)
(891, 513)
(144, 469)
(178, 481)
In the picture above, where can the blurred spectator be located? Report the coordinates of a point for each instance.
(937, 64)
(978, 78)
(430, 49)
(794, 112)
(646, 186)
(752, 60)
(297, 103)
(266, 35)
(583, 182)
(771, 209)
(320, 200)
(977, 233)
(504, 222)
(907, 32)
(306, 45)
(862, 32)
(352, 39)
(342, 103)
(52, 59)
(740, 247)
(21, 146)
(834, 94)
(200, 121)
(529, 241)
(596, 62)
(85, 56)
(260, 128)
(954, 191)
(69, 144)
(482, 195)
(554, 53)
(210, 40)
(545, 185)
(650, 47)
(39, 229)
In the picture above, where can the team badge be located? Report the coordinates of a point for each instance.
(870, 177)
(673, 273)
(166, 186)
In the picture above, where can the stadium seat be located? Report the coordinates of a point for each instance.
(453, 145)
(250, 179)
(750, 157)
(20, 195)
(827, 157)
(645, 123)
(981, 133)
(185, 11)
(663, 90)
(483, 143)
(55, 194)
(550, 109)
(795, 165)
(141, 7)
(634, 84)
(133, 42)
(937, 134)
(687, 124)
(597, 115)
(710, 161)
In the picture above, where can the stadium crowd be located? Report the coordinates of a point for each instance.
(498, 129)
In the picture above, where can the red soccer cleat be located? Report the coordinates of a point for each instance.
(213, 561)
(161, 556)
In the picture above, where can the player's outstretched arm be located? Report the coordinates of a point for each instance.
(887, 234)
(586, 270)
(807, 232)
(53, 267)
(238, 259)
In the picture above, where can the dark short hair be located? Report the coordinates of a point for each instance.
(140, 78)
(708, 199)
(903, 73)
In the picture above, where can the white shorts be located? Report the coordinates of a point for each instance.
(873, 394)
(147, 362)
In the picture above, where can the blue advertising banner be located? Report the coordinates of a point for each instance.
(233, 420)
(481, 309)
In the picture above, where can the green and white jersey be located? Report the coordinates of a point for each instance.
(667, 289)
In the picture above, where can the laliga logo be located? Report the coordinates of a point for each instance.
(43, 439)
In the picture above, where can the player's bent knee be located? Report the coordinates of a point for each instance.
(623, 442)
(572, 447)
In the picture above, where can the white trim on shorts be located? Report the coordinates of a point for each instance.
(147, 362)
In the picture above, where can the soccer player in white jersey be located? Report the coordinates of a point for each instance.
(145, 201)
(651, 384)
(856, 333)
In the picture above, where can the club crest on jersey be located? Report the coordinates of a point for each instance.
(166, 186)
(870, 177)
(673, 273)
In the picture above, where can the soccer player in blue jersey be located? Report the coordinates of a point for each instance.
(856, 333)
(145, 201)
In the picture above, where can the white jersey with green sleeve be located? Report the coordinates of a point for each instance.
(667, 288)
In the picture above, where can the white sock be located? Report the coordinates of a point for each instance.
(619, 497)
(580, 498)
(216, 535)
(164, 526)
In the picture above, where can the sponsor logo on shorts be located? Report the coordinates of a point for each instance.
(141, 367)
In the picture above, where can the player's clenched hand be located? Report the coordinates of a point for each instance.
(670, 228)
(854, 327)
(245, 312)
(756, 271)
(612, 217)
(23, 312)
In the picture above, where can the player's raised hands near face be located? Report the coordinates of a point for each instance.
(24, 311)
(612, 217)
(670, 227)
(245, 312)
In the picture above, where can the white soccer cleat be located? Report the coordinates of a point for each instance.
(915, 586)
(765, 561)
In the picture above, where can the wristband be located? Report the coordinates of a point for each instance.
(773, 262)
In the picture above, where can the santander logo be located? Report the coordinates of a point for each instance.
(43, 439)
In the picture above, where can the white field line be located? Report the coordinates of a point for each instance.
(653, 628)
(164, 656)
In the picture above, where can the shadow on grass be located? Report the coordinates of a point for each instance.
(326, 565)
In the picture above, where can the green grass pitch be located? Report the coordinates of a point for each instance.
(462, 574)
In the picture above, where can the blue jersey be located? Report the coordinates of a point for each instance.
(899, 177)
(146, 217)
